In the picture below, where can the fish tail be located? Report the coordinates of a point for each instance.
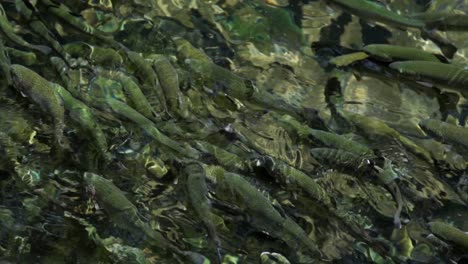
(447, 48)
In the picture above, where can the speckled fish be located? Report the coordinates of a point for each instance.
(122, 212)
(450, 233)
(374, 127)
(448, 75)
(71, 84)
(149, 127)
(264, 215)
(294, 178)
(325, 138)
(125, 215)
(169, 80)
(78, 49)
(185, 50)
(341, 158)
(9, 32)
(137, 98)
(43, 93)
(148, 77)
(83, 115)
(197, 190)
(222, 79)
(105, 56)
(446, 131)
(393, 53)
(373, 11)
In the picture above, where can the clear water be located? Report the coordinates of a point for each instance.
(232, 131)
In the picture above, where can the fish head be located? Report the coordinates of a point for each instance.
(402, 67)
(93, 181)
(376, 51)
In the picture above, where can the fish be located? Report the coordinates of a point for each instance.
(169, 80)
(43, 93)
(148, 77)
(327, 139)
(446, 75)
(271, 101)
(450, 233)
(185, 50)
(228, 82)
(223, 157)
(64, 13)
(373, 127)
(22, 57)
(120, 209)
(399, 53)
(28, 12)
(84, 116)
(105, 56)
(137, 98)
(264, 215)
(294, 178)
(7, 30)
(149, 127)
(445, 131)
(124, 214)
(197, 190)
(65, 72)
(372, 11)
(342, 158)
